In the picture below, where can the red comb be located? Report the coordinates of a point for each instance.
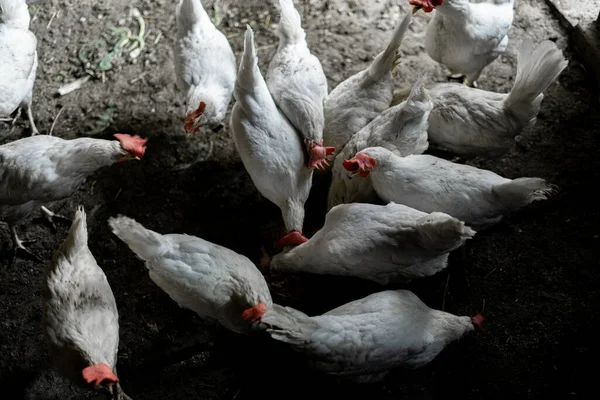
(294, 238)
(426, 5)
(98, 374)
(189, 121)
(133, 144)
(477, 320)
(361, 162)
(255, 313)
(318, 154)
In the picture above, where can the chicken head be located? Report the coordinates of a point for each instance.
(425, 5)
(255, 313)
(192, 120)
(318, 154)
(477, 320)
(361, 165)
(293, 238)
(99, 375)
(134, 145)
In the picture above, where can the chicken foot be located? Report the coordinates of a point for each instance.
(51, 215)
(19, 247)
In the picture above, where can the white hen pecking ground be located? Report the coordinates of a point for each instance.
(534, 276)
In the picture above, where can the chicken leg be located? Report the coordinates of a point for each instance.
(19, 247)
(34, 130)
(12, 121)
(50, 215)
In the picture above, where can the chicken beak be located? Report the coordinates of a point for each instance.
(136, 158)
(416, 8)
(192, 123)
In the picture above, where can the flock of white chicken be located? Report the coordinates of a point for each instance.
(411, 209)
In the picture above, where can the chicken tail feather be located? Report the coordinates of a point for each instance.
(77, 237)
(442, 232)
(189, 12)
(523, 191)
(248, 73)
(288, 325)
(387, 59)
(537, 69)
(419, 98)
(146, 244)
(290, 24)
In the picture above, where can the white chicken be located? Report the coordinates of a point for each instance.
(80, 317)
(466, 37)
(401, 129)
(384, 244)
(359, 99)
(205, 66)
(476, 196)
(210, 280)
(298, 84)
(364, 339)
(269, 146)
(472, 122)
(40, 169)
(18, 52)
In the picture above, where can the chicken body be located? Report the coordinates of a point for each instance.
(41, 169)
(401, 129)
(80, 317)
(298, 84)
(466, 37)
(364, 339)
(18, 52)
(472, 122)
(476, 196)
(269, 146)
(205, 66)
(384, 244)
(359, 99)
(210, 280)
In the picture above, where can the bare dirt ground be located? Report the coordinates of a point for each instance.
(535, 276)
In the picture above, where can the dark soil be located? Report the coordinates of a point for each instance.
(535, 275)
